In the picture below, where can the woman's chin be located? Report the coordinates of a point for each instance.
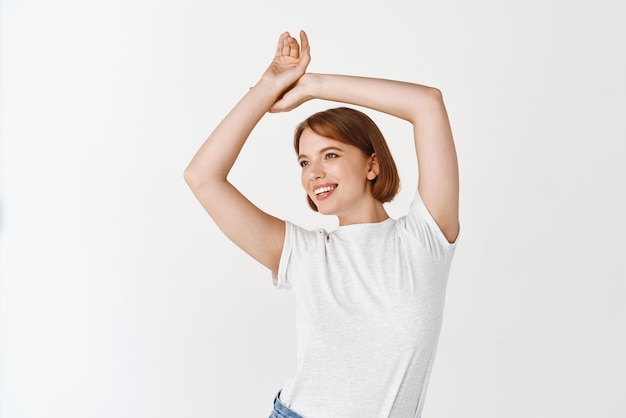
(324, 209)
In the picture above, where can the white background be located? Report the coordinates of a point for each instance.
(120, 298)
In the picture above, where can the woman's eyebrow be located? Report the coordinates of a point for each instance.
(323, 150)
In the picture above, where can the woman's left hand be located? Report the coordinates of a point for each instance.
(299, 93)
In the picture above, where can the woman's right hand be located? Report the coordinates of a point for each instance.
(290, 61)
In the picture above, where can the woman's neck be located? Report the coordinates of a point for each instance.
(365, 214)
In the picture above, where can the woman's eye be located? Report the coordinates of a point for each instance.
(304, 163)
(331, 155)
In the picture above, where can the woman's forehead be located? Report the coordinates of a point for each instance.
(311, 142)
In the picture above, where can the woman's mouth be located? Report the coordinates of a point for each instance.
(323, 192)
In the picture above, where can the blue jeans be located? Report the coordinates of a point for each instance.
(281, 410)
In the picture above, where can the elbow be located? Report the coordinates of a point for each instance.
(426, 104)
(199, 179)
(437, 105)
(435, 97)
(192, 177)
(428, 96)
(188, 175)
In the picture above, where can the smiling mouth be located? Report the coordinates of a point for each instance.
(323, 190)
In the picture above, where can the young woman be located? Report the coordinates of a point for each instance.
(369, 294)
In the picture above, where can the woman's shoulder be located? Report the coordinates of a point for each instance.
(419, 222)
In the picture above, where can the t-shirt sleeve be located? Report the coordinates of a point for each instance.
(420, 223)
(280, 277)
(298, 243)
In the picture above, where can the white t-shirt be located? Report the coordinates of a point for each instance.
(370, 301)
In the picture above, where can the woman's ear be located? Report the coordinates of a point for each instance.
(374, 168)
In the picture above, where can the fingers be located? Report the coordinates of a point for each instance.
(294, 48)
(283, 104)
(304, 41)
(288, 45)
(281, 43)
(305, 52)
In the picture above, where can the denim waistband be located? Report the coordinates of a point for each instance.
(281, 410)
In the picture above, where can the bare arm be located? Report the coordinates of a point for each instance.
(254, 231)
(423, 107)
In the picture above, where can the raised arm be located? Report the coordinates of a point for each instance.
(254, 231)
(423, 107)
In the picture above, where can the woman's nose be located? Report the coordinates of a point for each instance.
(316, 171)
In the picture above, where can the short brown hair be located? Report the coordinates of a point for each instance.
(353, 127)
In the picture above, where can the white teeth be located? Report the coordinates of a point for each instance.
(323, 190)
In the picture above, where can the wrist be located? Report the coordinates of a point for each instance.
(312, 84)
(267, 87)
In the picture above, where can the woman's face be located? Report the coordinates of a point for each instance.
(335, 175)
